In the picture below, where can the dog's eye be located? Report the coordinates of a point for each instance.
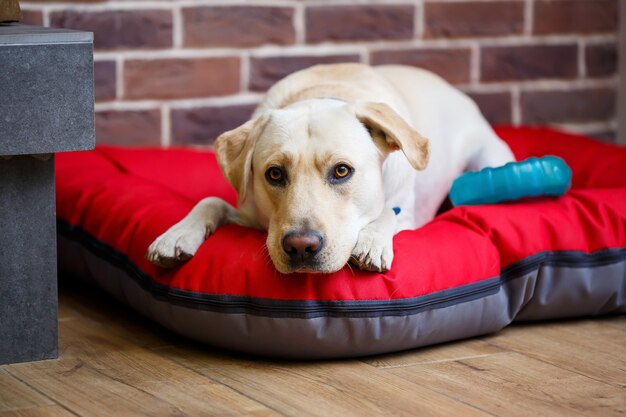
(275, 175)
(341, 172)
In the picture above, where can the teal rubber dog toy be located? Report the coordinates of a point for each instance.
(548, 175)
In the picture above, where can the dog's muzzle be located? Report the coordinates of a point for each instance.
(302, 247)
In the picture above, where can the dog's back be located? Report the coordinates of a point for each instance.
(460, 137)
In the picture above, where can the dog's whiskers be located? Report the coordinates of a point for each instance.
(266, 255)
(262, 250)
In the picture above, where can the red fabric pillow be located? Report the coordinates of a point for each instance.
(470, 271)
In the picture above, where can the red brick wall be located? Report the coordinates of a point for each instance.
(183, 71)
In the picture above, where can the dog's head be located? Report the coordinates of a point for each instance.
(311, 173)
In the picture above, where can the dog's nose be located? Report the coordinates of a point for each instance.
(302, 246)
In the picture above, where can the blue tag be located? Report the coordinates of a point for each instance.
(396, 210)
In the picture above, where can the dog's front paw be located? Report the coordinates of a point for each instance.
(177, 245)
(373, 251)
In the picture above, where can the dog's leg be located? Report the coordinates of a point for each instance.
(492, 152)
(374, 248)
(181, 241)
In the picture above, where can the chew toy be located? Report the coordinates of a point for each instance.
(548, 175)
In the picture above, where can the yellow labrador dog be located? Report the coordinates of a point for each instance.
(329, 154)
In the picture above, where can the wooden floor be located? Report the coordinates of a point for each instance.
(115, 363)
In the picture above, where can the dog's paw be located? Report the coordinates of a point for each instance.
(373, 252)
(177, 245)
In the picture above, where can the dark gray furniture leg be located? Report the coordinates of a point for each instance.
(28, 274)
(46, 106)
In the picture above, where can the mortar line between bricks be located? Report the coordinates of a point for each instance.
(144, 4)
(166, 126)
(245, 73)
(582, 67)
(361, 2)
(516, 106)
(299, 25)
(364, 56)
(542, 84)
(598, 41)
(119, 78)
(177, 28)
(217, 53)
(347, 47)
(418, 19)
(475, 64)
(166, 4)
(150, 104)
(45, 17)
(102, 7)
(529, 7)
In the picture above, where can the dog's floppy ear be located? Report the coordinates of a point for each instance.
(388, 129)
(234, 153)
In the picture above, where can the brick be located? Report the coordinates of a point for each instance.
(32, 17)
(129, 128)
(473, 19)
(570, 106)
(104, 80)
(264, 72)
(575, 16)
(528, 62)
(601, 59)
(203, 125)
(451, 64)
(238, 26)
(496, 107)
(120, 28)
(359, 23)
(181, 78)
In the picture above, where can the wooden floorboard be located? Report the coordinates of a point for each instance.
(589, 347)
(135, 382)
(343, 388)
(513, 384)
(45, 411)
(442, 353)
(15, 395)
(115, 363)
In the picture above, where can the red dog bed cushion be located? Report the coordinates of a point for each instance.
(471, 271)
